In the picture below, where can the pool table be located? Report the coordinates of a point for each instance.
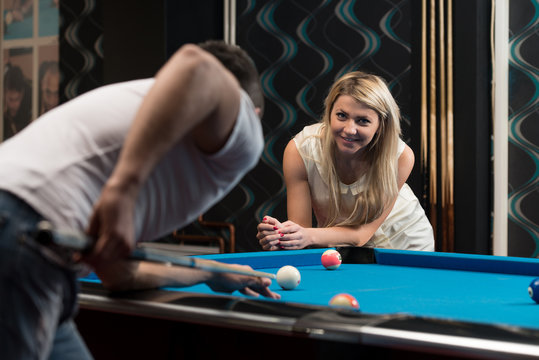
(412, 305)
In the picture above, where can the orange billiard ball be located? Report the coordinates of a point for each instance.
(344, 300)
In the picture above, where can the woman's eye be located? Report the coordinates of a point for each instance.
(363, 121)
(341, 115)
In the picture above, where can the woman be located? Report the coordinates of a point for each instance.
(351, 170)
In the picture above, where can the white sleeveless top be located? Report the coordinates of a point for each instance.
(405, 228)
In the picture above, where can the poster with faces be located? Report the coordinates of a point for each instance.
(30, 57)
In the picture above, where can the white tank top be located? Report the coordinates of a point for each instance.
(59, 163)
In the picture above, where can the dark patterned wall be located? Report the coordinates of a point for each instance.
(81, 47)
(523, 226)
(300, 47)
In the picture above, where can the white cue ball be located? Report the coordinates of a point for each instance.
(288, 277)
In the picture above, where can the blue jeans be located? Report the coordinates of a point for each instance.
(37, 298)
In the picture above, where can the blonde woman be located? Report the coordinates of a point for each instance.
(351, 170)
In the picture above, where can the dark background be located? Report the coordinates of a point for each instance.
(299, 48)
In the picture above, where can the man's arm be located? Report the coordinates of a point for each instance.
(193, 91)
(139, 275)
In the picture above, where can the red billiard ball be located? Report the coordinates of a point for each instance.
(331, 259)
(344, 300)
(533, 290)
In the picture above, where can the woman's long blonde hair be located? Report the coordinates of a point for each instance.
(380, 186)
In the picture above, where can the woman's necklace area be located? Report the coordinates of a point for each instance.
(350, 171)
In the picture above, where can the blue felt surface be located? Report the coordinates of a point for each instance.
(454, 261)
(271, 259)
(446, 294)
(476, 296)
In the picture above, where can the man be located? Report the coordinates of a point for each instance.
(17, 101)
(49, 84)
(127, 162)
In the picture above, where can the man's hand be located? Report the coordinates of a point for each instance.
(248, 285)
(112, 225)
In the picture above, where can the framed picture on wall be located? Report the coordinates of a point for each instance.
(48, 18)
(18, 16)
(29, 55)
(17, 90)
(48, 78)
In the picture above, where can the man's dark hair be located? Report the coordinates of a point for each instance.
(239, 63)
(14, 79)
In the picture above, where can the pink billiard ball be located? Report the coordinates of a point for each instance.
(344, 300)
(288, 277)
(331, 259)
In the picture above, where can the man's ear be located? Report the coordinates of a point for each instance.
(258, 111)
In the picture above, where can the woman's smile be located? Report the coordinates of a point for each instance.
(353, 124)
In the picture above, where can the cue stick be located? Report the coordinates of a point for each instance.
(79, 241)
